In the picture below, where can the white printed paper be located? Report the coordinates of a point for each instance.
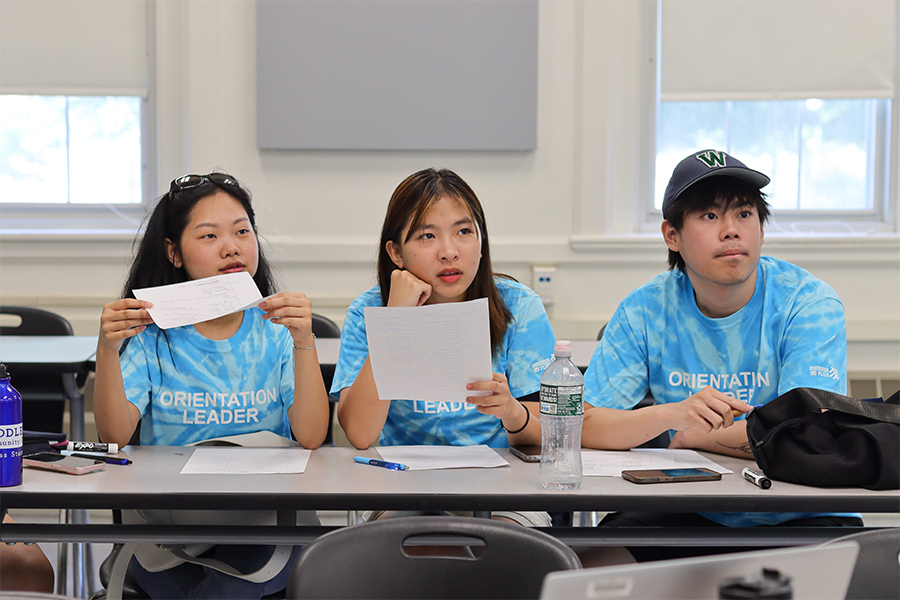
(423, 458)
(611, 463)
(429, 352)
(246, 461)
(200, 300)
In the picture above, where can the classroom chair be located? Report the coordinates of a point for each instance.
(43, 397)
(877, 572)
(501, 560)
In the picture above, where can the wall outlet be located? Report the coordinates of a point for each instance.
(543, 282)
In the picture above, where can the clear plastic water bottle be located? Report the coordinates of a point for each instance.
(10, 432)
(562, 414)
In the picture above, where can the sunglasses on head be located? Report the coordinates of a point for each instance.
(187, 182)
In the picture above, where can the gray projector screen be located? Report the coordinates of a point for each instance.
(397, 74)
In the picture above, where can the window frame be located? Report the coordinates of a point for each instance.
(26, 219)
(881, 218)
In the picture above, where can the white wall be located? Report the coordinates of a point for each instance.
(570, 203)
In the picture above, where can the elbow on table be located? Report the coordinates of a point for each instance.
(360, 441)
(311, 442)
(115, 433)
(360, 433)
(120, 440)
(359, 438)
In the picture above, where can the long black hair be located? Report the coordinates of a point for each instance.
(151, 266)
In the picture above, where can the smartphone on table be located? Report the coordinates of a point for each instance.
(65, 464)
(527, 452)
(670, 475)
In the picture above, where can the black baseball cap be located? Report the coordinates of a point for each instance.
(708, 163)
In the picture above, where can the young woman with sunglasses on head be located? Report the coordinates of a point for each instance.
(250, 371)
(434, 249)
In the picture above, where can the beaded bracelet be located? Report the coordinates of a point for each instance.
(308, 347)
(522, 428)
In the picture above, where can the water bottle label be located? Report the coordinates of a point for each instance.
(562, 401)
(11, 453)
(11, 436)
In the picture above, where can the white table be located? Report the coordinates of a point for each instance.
(332, 481)
(52, 354)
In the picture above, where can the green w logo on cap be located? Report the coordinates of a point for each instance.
(712, 159)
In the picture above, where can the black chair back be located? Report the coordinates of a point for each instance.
(371, 561)
(877, 571)
(323, 327)
(50, 390)
(35, 321)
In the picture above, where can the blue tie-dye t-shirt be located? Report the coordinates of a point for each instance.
(191, 388)
(524, 353)
(791, 334)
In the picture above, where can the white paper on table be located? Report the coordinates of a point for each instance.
(200, 300)
(429, 352)
(422, 458)
(240, 461)
(611, 463)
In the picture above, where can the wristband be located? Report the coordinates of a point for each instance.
(522, 428)
(308, 347)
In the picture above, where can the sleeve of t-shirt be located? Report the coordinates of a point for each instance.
(531, 344)
(354, 349)
(814, 347)
(617, 376)
(136, 373)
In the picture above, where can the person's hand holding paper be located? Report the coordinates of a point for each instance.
(430, 352)
(200, 300)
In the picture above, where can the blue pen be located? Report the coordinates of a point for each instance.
(111, 460)
(380, 463)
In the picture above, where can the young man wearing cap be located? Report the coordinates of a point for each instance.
(721, 330)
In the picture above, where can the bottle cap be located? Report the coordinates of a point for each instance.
(4, 373)
(562, 349)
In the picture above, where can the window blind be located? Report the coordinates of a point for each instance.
(784, 49)
(63, 47)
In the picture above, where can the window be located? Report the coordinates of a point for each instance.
(822, 155)
(76, 123)
(70, 149)
(812, 111)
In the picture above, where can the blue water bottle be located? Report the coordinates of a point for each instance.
(10, 432)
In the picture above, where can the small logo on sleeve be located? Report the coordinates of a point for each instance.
(830, 372)
(539, 366)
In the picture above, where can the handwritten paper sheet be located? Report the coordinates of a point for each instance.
(242, 461)
(423, 458)
(609, 463)
(429, 352)
(200, 300)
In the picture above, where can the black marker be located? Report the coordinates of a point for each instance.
(756, 478)
(89, 447)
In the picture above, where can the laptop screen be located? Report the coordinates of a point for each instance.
(815, 572)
